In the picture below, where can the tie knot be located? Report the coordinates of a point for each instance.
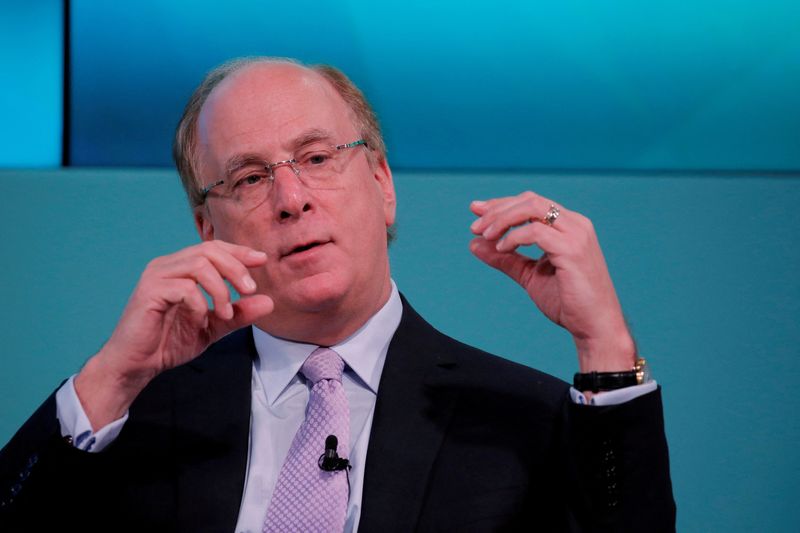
(323, 363)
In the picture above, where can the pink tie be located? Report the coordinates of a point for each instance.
(306, 498)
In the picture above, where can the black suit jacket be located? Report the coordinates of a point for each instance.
(461, 441)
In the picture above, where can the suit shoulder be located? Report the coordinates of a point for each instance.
(491, 368)
(478, 368)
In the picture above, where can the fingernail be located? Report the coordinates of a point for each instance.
(228, 311)
(249, 283)
(478, 203)
(488, 231)
(474, 225)
(500, 245)
(256, 255)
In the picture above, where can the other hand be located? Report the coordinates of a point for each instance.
(569, 283)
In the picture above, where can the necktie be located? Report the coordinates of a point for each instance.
(306, 498)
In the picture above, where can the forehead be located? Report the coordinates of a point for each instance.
(265, 108)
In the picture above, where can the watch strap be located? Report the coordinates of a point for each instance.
(599, 381)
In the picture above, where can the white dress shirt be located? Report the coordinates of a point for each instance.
(279, 398)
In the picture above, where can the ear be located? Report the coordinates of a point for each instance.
(383, 175)
(202, 221)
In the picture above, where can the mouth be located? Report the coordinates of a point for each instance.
(304, 248)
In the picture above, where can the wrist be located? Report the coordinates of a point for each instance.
(105, 392)
(613, 353)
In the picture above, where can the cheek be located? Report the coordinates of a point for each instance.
(245, 230)
(371, 207)
(227, 232)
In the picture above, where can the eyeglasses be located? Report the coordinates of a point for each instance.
(249, 181)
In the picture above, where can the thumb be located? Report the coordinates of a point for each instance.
(246, 310)
(512, 264)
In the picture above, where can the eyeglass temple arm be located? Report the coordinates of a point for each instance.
(352, 144)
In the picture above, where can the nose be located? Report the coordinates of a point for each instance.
(291, 197)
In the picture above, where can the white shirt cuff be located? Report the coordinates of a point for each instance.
(613, 397)
(74, 422)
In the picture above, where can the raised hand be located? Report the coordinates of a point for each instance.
(167, 322)
(569, 283)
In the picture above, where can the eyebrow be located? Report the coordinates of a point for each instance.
(311, 136)
(242, 160)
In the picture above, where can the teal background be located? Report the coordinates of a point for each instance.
(706, 268)
(476, 102)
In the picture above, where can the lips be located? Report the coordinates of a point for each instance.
(303, 248)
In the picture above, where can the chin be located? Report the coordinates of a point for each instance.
(317, 293)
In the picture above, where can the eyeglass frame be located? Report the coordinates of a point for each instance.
(270, 167)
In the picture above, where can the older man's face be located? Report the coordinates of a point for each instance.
(326, 248)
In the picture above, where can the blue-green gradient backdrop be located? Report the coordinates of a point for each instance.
(705, 260)
(707, 84)
(31, 65)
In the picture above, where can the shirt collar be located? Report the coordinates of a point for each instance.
(364, 352)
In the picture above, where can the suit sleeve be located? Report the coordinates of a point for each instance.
(619, 466)
(44, 479)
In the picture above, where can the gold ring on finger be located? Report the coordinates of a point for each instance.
(552, 215)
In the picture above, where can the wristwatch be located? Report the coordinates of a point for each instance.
(603, 381)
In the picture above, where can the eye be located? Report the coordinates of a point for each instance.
(318, 159)
(250, 180)
(315, 158)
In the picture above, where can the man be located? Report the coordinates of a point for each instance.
(184, 419)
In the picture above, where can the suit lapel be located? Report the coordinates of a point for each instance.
(411, 414)
(212, 414)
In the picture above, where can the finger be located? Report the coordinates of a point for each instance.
(233, 267)
(514, 265)
(195, 306)
(208, 277)
(247, 310)
(211, 277)
(499, 214)
(481, 207)
(250, 257)
(154, 306)
(182, 292)
(203, 272)
(209, 266)
(541, 235)
(478, 207)
(524, 210)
